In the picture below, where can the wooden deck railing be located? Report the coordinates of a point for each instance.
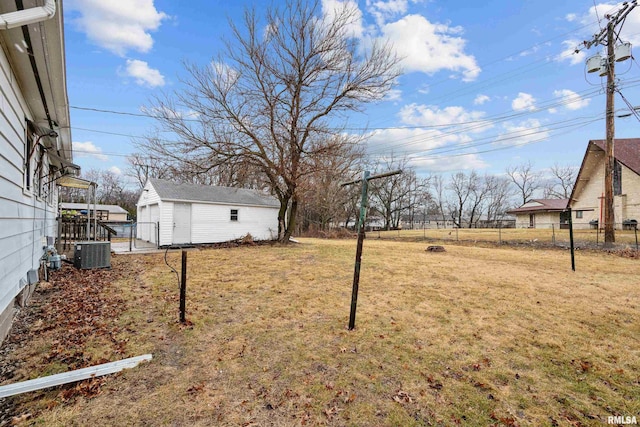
(71, 230)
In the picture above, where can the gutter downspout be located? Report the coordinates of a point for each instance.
(28, 16)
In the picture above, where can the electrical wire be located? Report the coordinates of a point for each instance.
(172, 269)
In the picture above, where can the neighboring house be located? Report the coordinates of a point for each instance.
(587, 197)
(35, 143)
(103, 212)
(542, 213)
(178, 214)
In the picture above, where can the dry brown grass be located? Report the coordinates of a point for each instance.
(472, 336)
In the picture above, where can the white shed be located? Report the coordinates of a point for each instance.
(179, 214)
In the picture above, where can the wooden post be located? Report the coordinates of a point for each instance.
(183, 288)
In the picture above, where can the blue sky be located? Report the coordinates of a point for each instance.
(486, 85)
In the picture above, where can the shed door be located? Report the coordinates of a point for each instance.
(181, 223)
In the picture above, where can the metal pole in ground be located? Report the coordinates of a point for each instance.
(573, 259)
(636, 231)
(356, 272)
(183, 288)
(553, 234)
(130, 235)
(363, 216)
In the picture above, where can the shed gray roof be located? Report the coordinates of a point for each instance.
(168, 190)
(81, 206)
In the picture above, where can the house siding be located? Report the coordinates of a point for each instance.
(25, 218)
(589, 193)
(212, 223)
(542, 220)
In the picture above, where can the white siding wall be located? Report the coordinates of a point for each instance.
(147, 214)
(212, 223)
(25, 219)
(589, 194)
(166, 223)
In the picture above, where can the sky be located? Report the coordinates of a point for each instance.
(485, 85)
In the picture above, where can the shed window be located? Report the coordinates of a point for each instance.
(579, 214)
(234, 214)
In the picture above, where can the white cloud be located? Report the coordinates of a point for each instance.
(424, 148)
(427, 47)
(88, 149)
(393, 95)
(471, 161)
(384, 10)
(524, 101)
(481, 99)
(425, 115)
(571, 17)
(143, 74)
(571, 100)
(118, 26)
(522, 133)
(115, 170)
(331, 8)
(169, 113)
(570, 54)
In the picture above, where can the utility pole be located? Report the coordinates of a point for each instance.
(361, 222)
(607, 36)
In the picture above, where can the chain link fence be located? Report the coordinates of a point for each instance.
(584, 235)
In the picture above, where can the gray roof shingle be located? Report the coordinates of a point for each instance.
(168, 190)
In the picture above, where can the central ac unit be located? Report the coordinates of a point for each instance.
(92, 255)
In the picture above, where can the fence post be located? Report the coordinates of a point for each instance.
(183, 288)
(130, 235)
(553, 234)
(500, 232)
(457, 228)
(636, 232)
(573, 259)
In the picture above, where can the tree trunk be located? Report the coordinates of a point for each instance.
(291, 223)
(282, 217)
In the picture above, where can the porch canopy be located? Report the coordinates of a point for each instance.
(74, 182)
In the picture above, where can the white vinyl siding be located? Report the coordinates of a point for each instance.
(210, 222)
(25, 220)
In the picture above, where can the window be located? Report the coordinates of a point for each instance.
(578, 214)
(617, 178)
(234, 214)
(28, 145)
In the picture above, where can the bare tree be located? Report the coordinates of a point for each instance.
(274, 97)
(461, 187)
(439, 196)
(323, 200)
(525, 180)
(393, 196)
(561, 184)
(499, 196)
(479, 193)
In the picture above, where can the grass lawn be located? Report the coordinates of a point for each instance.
(472, 336)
